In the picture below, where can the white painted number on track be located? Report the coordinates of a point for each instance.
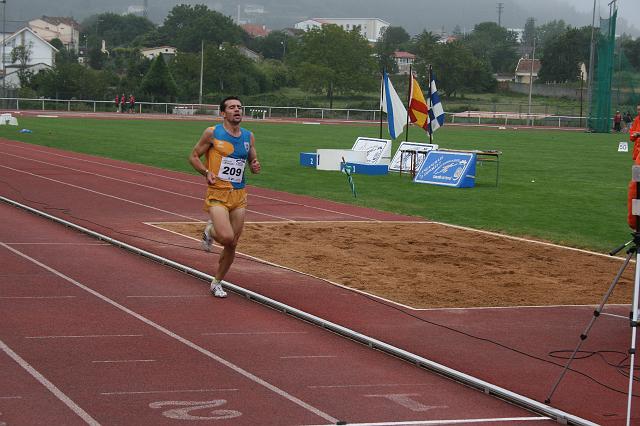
(404, 400)
(189, 406)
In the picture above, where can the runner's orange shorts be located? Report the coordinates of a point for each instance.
(230, 199)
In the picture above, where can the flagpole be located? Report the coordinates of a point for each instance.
(381, 99)
(406, 134)
(430, 104)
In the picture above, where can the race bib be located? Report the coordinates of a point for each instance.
(231, 169)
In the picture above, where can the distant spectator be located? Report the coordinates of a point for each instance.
(634, 134)
(627, 120)
(617, 122)
(117, 103)
(123, 103)
(132, 104)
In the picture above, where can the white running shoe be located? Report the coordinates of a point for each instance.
(217, 290)
(207, 241)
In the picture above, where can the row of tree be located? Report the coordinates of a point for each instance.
(328, 60)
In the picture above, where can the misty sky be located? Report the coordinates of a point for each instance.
(629, 9)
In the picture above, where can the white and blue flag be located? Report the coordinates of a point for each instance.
(393, 106)
(436, 112)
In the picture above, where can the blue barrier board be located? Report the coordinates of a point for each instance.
(448, 168)
(309, 159)
(367, 169)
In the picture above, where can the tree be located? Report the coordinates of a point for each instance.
(186, 69)
(21, 55)
(562, 57)
(392, 39)
(424, 45)
(116, 30)
(548, 32)
(331, 60)
(494, 45)
(186, 26)
(72, 80)
(277, 75)
(63, 55)
(631, 49)
(158, 83)
(273, 46)
(456, 68)
(529, 35)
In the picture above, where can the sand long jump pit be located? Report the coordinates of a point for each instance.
(430, 265)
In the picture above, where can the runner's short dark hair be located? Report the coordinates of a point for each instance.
(223, 103)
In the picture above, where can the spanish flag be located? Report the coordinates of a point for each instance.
(418, 109)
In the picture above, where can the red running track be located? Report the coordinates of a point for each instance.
(117, 198)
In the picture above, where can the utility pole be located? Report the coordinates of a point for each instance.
(145, 9)
(201, 69)
(4, 69)
(533, 59)
(500, 9)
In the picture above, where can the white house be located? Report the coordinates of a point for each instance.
(403, 60)
(152, 52)
(370, 28)
(527, 70)
(41, 54)
(65, 29)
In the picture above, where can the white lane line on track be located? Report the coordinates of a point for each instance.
(180, 339)
(10, 397)
(47, 384)
(307, 356)
(101, 193)
(57, 244)
(124, 361)
(88, 336)
(168, 297)
(253, 333)
(450, 422)
(168, 391)
(36, 297)
(199, 183)
(377, 385)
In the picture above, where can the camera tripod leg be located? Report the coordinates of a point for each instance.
(634, 331)
(596, 314)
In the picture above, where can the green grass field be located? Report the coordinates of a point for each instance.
(561, 186)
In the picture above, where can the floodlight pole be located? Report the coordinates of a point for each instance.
(591, 65)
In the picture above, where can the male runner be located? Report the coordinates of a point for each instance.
(227, 148)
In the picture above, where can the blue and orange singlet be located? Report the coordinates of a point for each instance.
(227, 157)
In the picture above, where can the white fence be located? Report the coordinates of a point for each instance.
(270, 112)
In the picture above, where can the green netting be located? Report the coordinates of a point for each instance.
(599, 119)
(626, 80)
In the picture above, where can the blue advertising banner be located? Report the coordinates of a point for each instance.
(448, 168)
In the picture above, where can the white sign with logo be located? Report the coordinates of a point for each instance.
(623, 147)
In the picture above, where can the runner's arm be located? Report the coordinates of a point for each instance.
(198, 151)
(254, 164)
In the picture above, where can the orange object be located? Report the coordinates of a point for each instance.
(635, 128)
